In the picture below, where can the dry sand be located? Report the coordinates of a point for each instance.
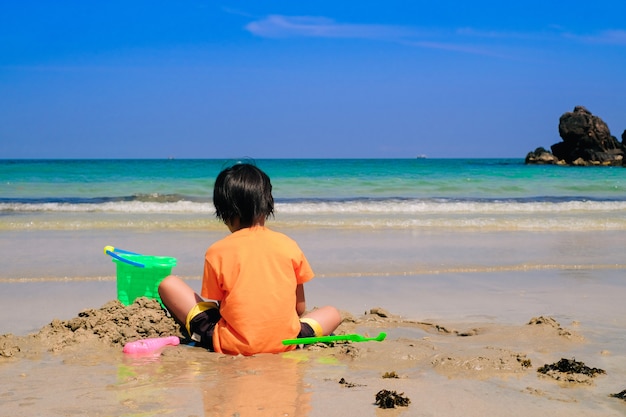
(76, 367)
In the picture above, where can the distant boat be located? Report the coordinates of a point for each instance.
(422, 156)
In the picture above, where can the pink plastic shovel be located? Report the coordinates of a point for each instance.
(150, 345)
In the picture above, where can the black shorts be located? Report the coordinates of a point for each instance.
(202, 325)
(306, 330)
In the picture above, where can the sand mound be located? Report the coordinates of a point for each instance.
(113, 324)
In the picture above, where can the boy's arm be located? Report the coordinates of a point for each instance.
(300, 300)
(210, 288)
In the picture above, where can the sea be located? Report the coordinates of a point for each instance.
(417, 194)
(374, 230)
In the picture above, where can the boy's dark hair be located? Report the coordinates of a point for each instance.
(243, 191)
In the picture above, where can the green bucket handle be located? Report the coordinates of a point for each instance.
(113, 252)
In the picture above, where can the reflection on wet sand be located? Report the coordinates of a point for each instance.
(263, 385)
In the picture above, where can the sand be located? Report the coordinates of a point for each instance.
(423, 368)
(470, 319)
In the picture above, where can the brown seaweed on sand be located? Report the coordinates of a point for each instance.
(391, 399)
(571, 366)
(571, 371)
(620, 395)
(347, 384)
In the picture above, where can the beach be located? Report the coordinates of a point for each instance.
(481, 273)
(457, 331)
(454, 173)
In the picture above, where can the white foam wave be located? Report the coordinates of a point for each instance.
(338, 208)
(111, 207)
(400, 214)
(425, 207)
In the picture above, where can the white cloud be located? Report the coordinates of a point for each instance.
(464, 40)
(608, 37)
(278, 26)
(468, 49)
(495, 34)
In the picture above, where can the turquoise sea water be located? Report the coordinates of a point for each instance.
(499, 194)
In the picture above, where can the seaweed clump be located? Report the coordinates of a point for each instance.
(620, 395)
(347, 384)
(571, 366)
(391, 399)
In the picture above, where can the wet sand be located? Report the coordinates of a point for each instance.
(470, 318)
(480, 364)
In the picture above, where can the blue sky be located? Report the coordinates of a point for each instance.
(319, 79)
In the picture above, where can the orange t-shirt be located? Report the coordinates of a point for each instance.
(253, 273)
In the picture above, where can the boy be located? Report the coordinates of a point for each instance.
(255, 274)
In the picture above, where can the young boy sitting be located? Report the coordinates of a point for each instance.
(255, 274)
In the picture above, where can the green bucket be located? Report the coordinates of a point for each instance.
(139, 275)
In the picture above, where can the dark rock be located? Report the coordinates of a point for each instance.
(580, 127)
(541, 156)
(587, 140)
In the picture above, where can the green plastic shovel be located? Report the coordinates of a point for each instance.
(335, 338)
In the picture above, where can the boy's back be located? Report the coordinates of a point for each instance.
(254, 272)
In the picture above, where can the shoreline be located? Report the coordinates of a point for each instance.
(593, 297)
(504, 297)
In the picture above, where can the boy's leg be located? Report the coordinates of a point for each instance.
(194, 314)
(327, 317)
(178, 297)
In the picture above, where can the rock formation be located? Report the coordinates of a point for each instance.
(587, 140)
